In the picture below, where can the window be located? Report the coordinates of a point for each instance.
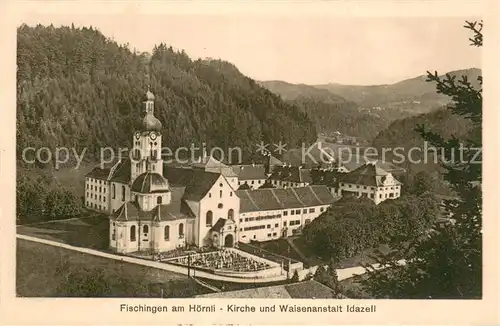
(91, 187)
(284, 223)
(269, 234)
(104, 199)
(87, 194)
(292, 212)
(220, 205)
(230, 214)
(159, 200)
(104, 190)
(276, 225)
(87, 186)
(285, 213)
(269, 226)
(252, 181)
(311, 210)
(274, 234)
(209, 218)
(100, 189)
(145, 229)
(166, 233)
(321, 209)
(99, 197)
(230, 194)
(220, 194)
(209, 195)
(123, 193)
(113, 190)
(241, 220)
(297, 211)
(181, 230)
(220, 184)
(132, 233)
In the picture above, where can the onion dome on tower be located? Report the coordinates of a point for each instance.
(150, 122)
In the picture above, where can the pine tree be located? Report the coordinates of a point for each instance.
(446, 263)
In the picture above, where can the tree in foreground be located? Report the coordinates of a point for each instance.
(445, 263)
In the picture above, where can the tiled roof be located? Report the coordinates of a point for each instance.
(287, 198)
(274, 199)
(175, 210)
(117, 171)
(98, 173)
(368, 175)
(219, 224)
(302, 290)
(149, 182)
(122, 172)
(291, 174)
(353, 162)
(250, 171)
(197, 182)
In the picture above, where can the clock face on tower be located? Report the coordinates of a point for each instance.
(137, 135)
(152, 135)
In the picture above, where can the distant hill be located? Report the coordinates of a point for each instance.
(332, 112)
(414, 95)
(292, 92)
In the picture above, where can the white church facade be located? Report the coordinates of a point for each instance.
(156, 207)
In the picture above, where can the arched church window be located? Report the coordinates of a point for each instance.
(145, 229)
(159, 200)
(181, 230)
(113, 189)
(123, 193)
(166, 235)
(230, 214)
(209, 218)
(132, 233)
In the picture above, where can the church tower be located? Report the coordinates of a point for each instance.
(146, 156)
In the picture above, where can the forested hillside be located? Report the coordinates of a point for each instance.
(414, 95)
(331, 112)
(77, 88)
(402, 134)
(344, 117)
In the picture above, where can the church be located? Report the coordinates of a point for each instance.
(157, 207)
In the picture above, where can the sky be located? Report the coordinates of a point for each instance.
(309, 49)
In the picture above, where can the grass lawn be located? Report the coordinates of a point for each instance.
(228, 286)
(357, 260)
(38, 270)
(91, 231)
(280, 247)
(352, 288)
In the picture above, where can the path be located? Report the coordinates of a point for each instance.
(154, 264)
(342, 273)
(297, 250)
(205, 284)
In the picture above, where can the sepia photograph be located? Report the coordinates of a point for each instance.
(248, 156)
(161, 172)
